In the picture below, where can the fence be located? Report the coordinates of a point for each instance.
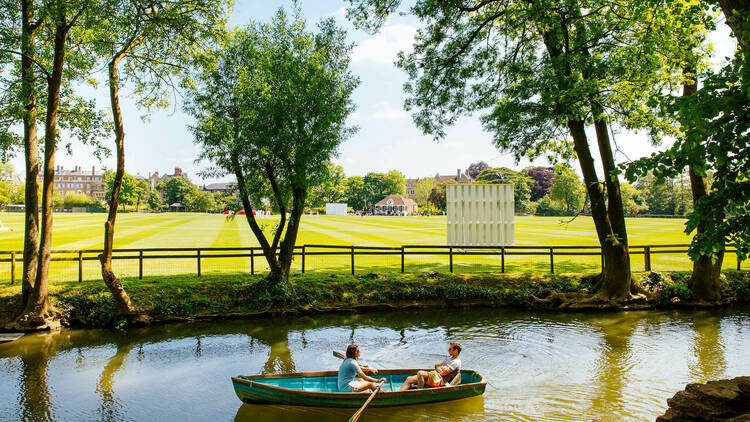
(69, 265)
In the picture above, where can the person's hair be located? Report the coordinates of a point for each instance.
(351, 351)
(456, 346)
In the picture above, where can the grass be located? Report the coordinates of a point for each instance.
(141, 230)
(181, 297)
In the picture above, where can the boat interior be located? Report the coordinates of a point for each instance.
(328, 384)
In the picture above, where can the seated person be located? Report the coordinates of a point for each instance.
(445, 371)
(348, 371)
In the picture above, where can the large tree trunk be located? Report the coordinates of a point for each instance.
(705, 281)
(286, 254)
(124, 306)
(31, 153)
(737, 14)
(615, 282)
(37, 310)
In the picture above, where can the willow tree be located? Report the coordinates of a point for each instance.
(271, 109)
(540, 72)
(150, 41)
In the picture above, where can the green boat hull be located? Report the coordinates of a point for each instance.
(319, 389)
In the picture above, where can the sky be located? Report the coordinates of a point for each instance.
(387, 138)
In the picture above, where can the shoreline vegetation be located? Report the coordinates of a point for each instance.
(183, 298)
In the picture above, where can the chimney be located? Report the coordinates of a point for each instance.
(458, 174)
(93, 170)
(177, 171)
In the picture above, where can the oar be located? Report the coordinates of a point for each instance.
(342, 356)
(362, 409)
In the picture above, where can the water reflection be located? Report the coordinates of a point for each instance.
(708, 349)
(547, 366)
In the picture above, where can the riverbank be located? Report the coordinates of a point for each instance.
(176, 298)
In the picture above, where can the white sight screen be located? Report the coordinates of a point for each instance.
(480, 215)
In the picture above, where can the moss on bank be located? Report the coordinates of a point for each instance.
(170, 298)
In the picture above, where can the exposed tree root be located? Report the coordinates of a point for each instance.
(48, 318)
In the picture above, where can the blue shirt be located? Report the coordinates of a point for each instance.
(347, 372)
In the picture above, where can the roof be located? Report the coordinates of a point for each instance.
(177, 205)
(220, 186)
(396, 200)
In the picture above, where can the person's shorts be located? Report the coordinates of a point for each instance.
(353, 384)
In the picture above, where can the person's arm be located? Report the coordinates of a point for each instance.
(367, 378)
(367, 370)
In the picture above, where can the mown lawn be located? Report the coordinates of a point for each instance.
(142, 230)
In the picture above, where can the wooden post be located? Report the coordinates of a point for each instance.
(140, 264)
(402, 259)
(198, 257)
(303, 259)
(647, 257)
(502, 259)
(13, 268)
(352, 260)
(739, 264)
(80, 266)
(450, 253)
(601, 252)
(252, 261)
(551, 260)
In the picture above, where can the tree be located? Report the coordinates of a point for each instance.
(395, 183)
(271, 109)
(631, 200)
(543, 178)
(665, 197)
(225, 202)
(200, 201)
(423, 189)
(713, 137)
(50, 34)
(476, 168)
(356, 192)
(438, 195)
(568, 189)
(79, 200)
(330, 189)
(154, 201)
(521, 185)
(544, 70)
(142, 192)
(150, 40)
(176, 189)
(131, 190)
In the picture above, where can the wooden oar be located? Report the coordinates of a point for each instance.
(362, 409)
(342, 356)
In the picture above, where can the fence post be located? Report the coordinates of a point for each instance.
(647, 257)
(739, 264)
(13, 268)
(252, 261)
(198, 257)
(502, 259)
(402, 258)
(450, 253)
(140, 264)
(352, 260)
(601, 253)
(80, 266)
(303, 259)
(551, 260)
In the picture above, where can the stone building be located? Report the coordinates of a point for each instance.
(154, 178)
(461, 178)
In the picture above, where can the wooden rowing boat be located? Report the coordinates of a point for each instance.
(320, 389)
(8, 337)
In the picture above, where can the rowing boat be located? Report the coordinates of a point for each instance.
(320, 389)
(8, 337)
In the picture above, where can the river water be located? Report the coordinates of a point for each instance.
(542, 366)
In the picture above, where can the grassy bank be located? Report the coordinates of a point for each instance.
(169, 298)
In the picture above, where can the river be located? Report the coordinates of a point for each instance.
(541, 366)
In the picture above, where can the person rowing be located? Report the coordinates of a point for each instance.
(350, 369)
(445, 372)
